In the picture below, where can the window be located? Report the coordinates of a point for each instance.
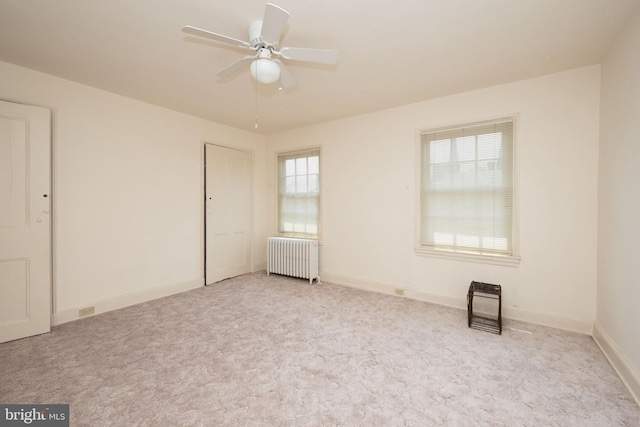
(299, 193)
(467, 195)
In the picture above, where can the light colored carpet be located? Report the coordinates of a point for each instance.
(271, 350)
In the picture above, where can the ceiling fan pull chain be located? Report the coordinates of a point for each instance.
(256, 86)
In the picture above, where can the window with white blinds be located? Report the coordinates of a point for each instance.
(299, 193)
(467, 188)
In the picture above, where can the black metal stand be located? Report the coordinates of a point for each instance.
(484, 323)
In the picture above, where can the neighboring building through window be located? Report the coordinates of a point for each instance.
(299, 193)
(467, 189)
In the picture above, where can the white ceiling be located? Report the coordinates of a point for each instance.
(391, 52)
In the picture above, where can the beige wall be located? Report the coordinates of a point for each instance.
(127, 192)
(128, 195)
(369, 174)
(618, 312)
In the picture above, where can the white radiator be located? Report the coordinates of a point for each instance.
(293, 257)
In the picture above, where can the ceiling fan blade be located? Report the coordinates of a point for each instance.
(319, 56)
(214, 36)
(275, 18)
(230, 70)
(287, 81)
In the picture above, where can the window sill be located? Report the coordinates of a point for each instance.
(504, 260)
(299, 236)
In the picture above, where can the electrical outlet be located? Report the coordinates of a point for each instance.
(399, 291)
(88, 311)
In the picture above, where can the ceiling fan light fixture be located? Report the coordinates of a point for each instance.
(265, 71)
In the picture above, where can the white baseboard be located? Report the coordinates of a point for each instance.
(627, 373)
(126, 300)
(547, 319)
(539, 318)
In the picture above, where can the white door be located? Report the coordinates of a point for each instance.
(228, 213)
(25, 226)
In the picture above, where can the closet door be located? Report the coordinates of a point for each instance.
(228, 212)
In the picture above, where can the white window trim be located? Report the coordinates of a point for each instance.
(278, 233)
(509, 261)
(467, 255)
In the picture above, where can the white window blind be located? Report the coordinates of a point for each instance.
(299, 192)
(467, 188)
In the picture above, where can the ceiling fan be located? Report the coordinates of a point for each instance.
(264, 38)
